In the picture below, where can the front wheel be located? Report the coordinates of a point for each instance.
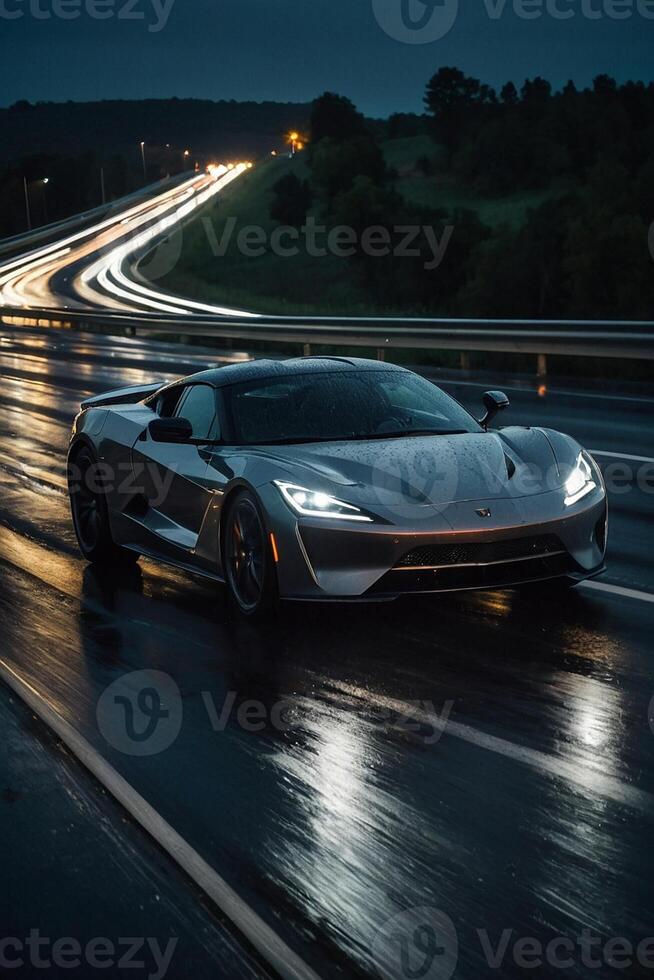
(248, 561)
(88, 504)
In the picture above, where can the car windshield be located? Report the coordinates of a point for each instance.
(342, 405)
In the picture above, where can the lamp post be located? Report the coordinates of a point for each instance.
(45, 182)
(186, 155)
(27, 205)
(145, 172)
(28, 213)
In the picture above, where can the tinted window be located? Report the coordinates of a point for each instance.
(198, 405)
(342, 405)
(164, 402)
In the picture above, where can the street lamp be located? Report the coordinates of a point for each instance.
(145, 172)
(187, 154)
(43, 181)
(293, 138)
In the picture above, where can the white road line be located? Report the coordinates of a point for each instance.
(594, 781)
(618, 590)
(551, 392)
(273, 949)
(633, 459)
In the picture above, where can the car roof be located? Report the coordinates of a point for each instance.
(264, 368)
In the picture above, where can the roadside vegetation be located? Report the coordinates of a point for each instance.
(540, 204)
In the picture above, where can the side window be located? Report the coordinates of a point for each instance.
(198, 405)
(164, 403)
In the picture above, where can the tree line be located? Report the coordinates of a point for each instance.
(584, 251)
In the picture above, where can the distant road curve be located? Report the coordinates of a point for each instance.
(90, 269)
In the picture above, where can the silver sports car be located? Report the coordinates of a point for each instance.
(330, 478)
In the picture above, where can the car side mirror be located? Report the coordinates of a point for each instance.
(494, 402)
(170, 430)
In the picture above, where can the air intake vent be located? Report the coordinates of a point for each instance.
(481, 553)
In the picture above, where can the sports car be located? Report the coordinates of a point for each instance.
(330, 478)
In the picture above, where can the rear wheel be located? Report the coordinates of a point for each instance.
(248, 560)
(88, 504)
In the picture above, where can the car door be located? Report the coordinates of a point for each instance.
(174, 476)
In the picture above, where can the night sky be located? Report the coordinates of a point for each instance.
(291, 50)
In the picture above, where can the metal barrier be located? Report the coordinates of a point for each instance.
(580, 338)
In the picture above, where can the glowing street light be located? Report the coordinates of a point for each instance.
(145, 172)
(293, 139)
(28, 215)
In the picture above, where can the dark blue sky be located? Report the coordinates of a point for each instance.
(295, 49)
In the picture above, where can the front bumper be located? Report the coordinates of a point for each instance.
(528, 539)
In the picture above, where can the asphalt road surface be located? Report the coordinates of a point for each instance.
(430, 788)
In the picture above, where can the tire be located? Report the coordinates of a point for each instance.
(88, 505)
(247, 559)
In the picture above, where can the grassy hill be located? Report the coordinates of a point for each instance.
(305, 284)
(439, 190)
(267, 283)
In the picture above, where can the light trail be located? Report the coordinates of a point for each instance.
(100, 258)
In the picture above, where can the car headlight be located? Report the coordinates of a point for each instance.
(581, 480)
(311, 503)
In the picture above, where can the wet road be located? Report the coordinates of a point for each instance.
(479, 766)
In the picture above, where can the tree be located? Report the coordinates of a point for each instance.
(450, 97)
(536, 92)
(292, 199)
(509, 94)
(335, 117)
(335, 165)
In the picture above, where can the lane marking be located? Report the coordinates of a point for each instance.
(618, 590)
(563, 392)
(594, 781)
(634, 459)
(268, 944)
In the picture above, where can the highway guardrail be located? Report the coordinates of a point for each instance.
(627, 339)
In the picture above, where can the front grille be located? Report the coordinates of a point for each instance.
(480, 553)
(401, 581)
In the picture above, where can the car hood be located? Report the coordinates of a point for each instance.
(424, 470)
